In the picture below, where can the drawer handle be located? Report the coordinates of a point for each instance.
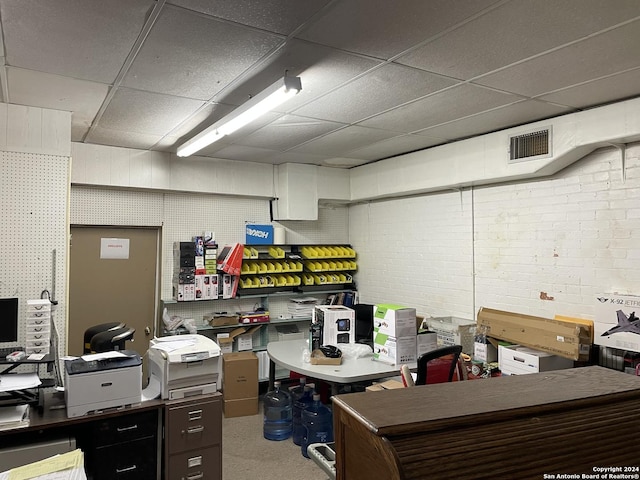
(190, 430)
(124, 429)
(195, 476)
(195, 415)
(128, 469)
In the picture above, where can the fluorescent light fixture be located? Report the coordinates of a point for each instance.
(257, 106)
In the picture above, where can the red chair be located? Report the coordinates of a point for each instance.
(441, 364)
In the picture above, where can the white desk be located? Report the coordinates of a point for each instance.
(288, 354)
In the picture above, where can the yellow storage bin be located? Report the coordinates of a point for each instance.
(276, 252)
(307, 279)
(245, 268)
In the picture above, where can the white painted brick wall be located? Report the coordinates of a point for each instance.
(416, 252)
(542, 247)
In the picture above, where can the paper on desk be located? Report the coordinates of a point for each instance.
(13, 413)
(67, 466)
(18, 381)
(103, 355)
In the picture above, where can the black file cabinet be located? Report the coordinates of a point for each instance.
(123, 447)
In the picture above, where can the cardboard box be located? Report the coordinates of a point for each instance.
(240, 407)
(616, 321)
(453, 331)
(220, 320)
(392, 350)
(318, 358)
(245, 340)
(559, 337)
(390, 384)
(225, 340)
(239, 375)
(426, 341)
(519, 360)
(338, 324)
(394, 320)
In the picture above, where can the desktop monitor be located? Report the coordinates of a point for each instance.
(8, 319)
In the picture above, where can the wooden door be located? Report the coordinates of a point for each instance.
(113, 277)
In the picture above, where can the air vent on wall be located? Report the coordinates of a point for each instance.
(530, 146)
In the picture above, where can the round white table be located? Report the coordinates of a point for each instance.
(289, 354)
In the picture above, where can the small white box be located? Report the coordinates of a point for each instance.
(394, 320)
(485, 352)
(617, 316)
(212, 287)
(226, 345)
(245, 342)
(338, 323)
(453, 331)
(426, 342)
(226, 286)
(200, 288)
(392, 350)
(518, 360)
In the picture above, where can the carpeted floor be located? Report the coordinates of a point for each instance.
(247, 455)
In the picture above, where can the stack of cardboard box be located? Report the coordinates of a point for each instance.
(394, 334)
(240, 384)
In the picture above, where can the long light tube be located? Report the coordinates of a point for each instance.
(257, 106)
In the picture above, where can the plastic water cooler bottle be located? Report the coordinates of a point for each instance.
(277, 414)
(317, 421)
(299, 406)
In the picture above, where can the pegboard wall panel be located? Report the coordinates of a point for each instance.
(185, 215)
(33, 208)
(101, 206)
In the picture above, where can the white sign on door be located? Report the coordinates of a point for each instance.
(114, 248)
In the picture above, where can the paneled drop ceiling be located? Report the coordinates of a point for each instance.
(379, 78)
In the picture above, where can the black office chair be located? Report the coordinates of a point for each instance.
(449, 354)
(102, 327)
(113, 339)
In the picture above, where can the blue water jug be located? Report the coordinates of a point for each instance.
(317, 421)
(277, 414)
(297, 391)
(298, 406)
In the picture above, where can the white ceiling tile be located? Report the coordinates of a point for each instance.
(597, 92)
(81, 97)
(281, 16)
(120, 138)
(373, 93)
(288, 131)
(295, 157)
(383, 29)
(346, 139)
(320, 68)
(146, 113)
(242, 153)
(495, 39)
(440, 107)
(393, 146)
(84, 39)
(604, 54)
(195, 56)
(515, 114)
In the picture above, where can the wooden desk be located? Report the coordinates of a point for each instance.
(118, 443)
(562, 422)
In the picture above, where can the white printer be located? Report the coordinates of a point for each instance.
(184, 365)
(101, 381)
